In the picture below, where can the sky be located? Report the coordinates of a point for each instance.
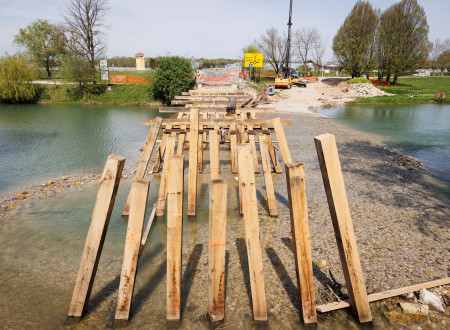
(202, 28)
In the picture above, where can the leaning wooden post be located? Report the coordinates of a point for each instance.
(217, 249)
(250, 208)
(96, 235)
(161, 202)
(282, 142)
(273, 155)
(145, 158)
(174, 232)
(233, 147)
(193, 153)
(214, 162)
(295, 177)
(132, 247)
(267, 169)
(251, 139)
(342, 224)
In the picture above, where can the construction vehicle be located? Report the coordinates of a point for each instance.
(283, 80)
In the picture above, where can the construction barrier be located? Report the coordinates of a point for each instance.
(376, 82)
(127, 79)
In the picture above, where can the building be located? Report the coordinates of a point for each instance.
(140, 61)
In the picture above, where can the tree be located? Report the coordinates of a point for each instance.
(438, 54)
(354, 43)
(43, 41)
(75, 68)
(304, 40)
(173, 75)
(272, 46)
(85, 29)
(16, 80)
(403, 39)
(319, 47)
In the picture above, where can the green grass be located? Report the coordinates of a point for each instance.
(137, 73)
(358, 80)
(258, 86)
(424, 87)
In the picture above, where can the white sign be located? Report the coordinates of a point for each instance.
(103, 65)
(104, 75)
(327, 71)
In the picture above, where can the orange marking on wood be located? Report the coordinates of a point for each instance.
(304, 233)
(217, 244)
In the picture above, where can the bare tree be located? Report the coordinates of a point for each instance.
(85, 28)
(304, 40)
(272, 45)
(319, 47)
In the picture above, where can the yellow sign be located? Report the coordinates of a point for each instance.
(256, 59)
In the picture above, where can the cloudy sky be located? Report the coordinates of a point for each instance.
(202, 28)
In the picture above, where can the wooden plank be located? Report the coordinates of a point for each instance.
(147, 229)
(98, 227)
(181, 137)
(295, 178)
(161, 202)
(201, 143)
(174, 235)
(233, 147)
(215, 92)
(214, 161)
(214, 102)
(212, 122)
(250, 208)
(267, 170)
(160, 151)
(342, 222)
(384, 295)
(208, 97)
(273, 155)
(193, 163)
(284, 148)
(251, 139)
(217, 249)
(132, 247)
(217, 109)
(145, 158)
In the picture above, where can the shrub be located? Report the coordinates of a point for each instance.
(359, 80)
(173, 75)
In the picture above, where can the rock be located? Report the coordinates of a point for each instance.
(345, 90)
(410, 308)
(21, 196)
(321, 263)
(409, 295)
(49, 183)
(64, 178)
(124, 176)
(446, 298)
(12, 206)
(398, 317)
(431, 299)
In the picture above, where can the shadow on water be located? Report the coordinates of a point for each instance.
(243, 260)
(189, 274)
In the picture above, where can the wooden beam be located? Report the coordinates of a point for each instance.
(282, 142)
(98, 227)
(217, 249)
(250, 208)
(385, 294)
(214, 160)
(147, 229)
(174, 236)
(215, 92)
(160, 151)
(193, 162)
(217, 109)
(273, 154)
(145, 158)
(342, 222)
(132, 247)
(295, 178)
(251, 139)
(233, 147)
(181, 137)
(161, 202)
(212, 122)
(267, 170)
(208, 97)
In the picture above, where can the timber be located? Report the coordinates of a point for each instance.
(212, 122)
(147, 229)
(193, 162)
(161, 202)
(277, 125)
(214, 161)
(98, 227)
(267, 170)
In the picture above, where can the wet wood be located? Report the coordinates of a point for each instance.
(295, 178)
(342, 222)
(214, 161)
(284, 148)
(217, 109)
(174, 236)
(145, 158)
(267, 170)
(132, 247)
(98, 227)
(250, 208)
(217, 249)
(233, 147)
(181, 137)
(212, 122)
(161, 202)
(147, 229)
(193, 162)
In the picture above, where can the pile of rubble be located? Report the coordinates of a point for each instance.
(364, 89)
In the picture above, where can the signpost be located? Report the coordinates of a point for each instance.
(254, 60)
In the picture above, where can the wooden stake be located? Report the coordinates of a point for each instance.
(267, 169)
(181, 137)
(132, 246)
(273, 154)
(217, 249)
(193, 153)
(282, 140)
(161, 202)
(145, 158)
(251, 138)
(174, 233)
(342, 223)
(233, 147)
(147, 229)
(161, 150)
(295, 177)
(96, 235)
(250, 208)
(214, 161)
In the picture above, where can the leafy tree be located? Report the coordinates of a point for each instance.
(172, 76)
(272, 45)
(438, 54)
(354, 43)
(43, 41)
(74, 68)
(16, 77)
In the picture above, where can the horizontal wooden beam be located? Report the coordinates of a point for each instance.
(184, 121)
(384, 295)
(200, 97)
(219, 101)
(218, 109)
(215, 91)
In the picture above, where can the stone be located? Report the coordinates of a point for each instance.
(430, 298)
(410, 308)
(446, 298)
(49, 183)
(12, 206)
(124, 176)
(64, 178)
(21, 196)
(321, 263)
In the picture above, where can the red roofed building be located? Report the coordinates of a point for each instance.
(140, 61)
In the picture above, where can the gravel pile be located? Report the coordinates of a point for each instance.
(364, 89)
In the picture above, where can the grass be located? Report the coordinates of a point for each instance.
(258, 86)
(137, 73)
(359, 80)
(424, 87)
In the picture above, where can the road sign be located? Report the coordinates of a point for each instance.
(250, 65)
(256, 59)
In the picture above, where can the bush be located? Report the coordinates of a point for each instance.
(359, 80)
(16, 77)
(173, 75)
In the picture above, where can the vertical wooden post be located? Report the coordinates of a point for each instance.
(96, 235)
(267, 169)
(147, 229)
(295, 177)
(251, 139)
(214, 160)
(233, 146)
(282, 140)
(161, 202)
(342, 223)
(132, 247)
(273, 155)
(161, 150)
(193, 153)
(181, 136)
(250, 208)
(145, 158)
(174, 233)
(217, 249)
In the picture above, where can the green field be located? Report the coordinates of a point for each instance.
(424, 87)
(137, 73)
